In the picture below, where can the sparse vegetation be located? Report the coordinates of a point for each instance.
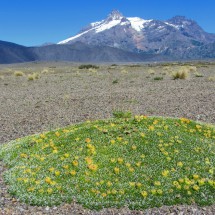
(33, 76)
(211, 78)
(151, 71)
(158, 78)
(88, 66)
(122, 114)
(124, 71)
(116, 81)
(104, 163)
(198, 75)
(19, 73)
(180, 75)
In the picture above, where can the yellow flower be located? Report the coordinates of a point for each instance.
(186, 187)
(187, 181)
(75, 163)
(196, 187)
(201, 182)
(41, 190)
(142, 156)
(184, 120)
(138, 164)
(159, 134)
(175, 183)
(51, 169)
(55, 151)
(23, 155)
(116, 170)
(104, 194)
(159, 191)
(112, 160)
(151, 128)
(65, 131)
(112, 141)
(120, 160)
(114, 191)
(195, 176)
(53, 183)
(128, 164)
(189, 193)
(122, 192)
(165, 173)
(131, 169)
(142, 135)
(31, 189)
(93, 167)
(180, 164)
(57, 134)
(119, 139)
(155, 122)
(132, 184)
(134, 147)
(37, 182)
(210, 182)
(88, 160)
(207, 161)
(66, 155)
(153, 191)
(66, 166)
(211, 171)
(157, 183)
(43, 136)
(178, 187)
(48, 180)
(109, 184)
(139, 184)
(144, 194)
(181, 180)
(165, 153)
(49, 190)
(73, 172)
(87, 140)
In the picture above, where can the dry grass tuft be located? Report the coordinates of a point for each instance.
(182, 74)
(33, 76)
(19, 73)
(211, 78)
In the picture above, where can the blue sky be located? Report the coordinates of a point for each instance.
(34, 22)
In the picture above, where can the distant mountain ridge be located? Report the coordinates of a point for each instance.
(121, 39)
(149, 36)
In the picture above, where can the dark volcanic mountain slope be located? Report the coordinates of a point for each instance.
(80, 52)
(13, 53)
(77, 52)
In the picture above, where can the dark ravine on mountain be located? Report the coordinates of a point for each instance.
(121, 39)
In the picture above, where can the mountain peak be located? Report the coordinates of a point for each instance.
(179, 20)
(115, 15)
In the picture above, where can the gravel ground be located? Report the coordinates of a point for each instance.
(64, 95)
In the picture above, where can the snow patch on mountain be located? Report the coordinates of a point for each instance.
(107, 25)
(138, 23)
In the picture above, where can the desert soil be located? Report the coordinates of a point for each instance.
(65, 95)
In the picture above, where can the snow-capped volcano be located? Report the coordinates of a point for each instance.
(140, 35)
(114, 19)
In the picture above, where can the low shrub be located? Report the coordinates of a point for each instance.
(88, 66)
